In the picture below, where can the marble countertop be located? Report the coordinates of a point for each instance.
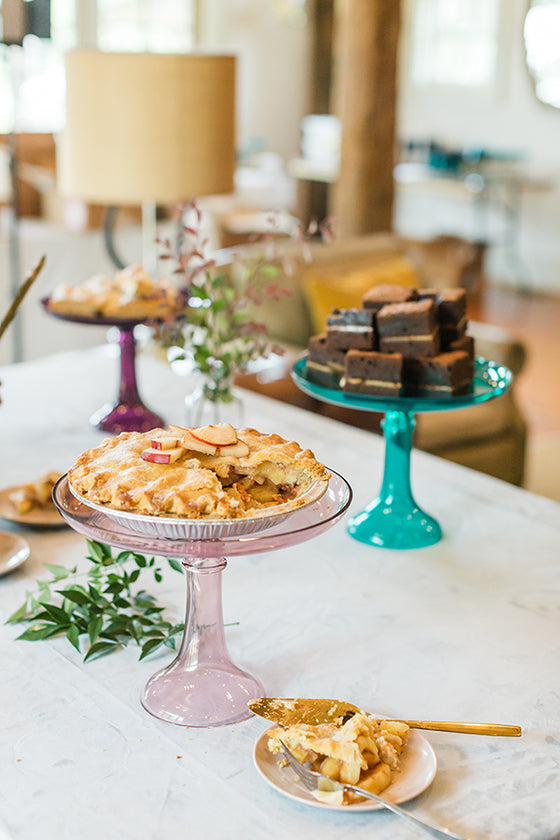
(464, 630)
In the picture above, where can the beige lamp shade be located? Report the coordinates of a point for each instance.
(146, 126)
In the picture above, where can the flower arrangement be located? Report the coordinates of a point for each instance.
(218, 331)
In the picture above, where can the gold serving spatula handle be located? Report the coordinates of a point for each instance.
(289, 710)
(466, 728)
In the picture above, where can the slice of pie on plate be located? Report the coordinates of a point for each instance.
(365, 751)
(35, 495)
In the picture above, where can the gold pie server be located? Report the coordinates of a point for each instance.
(290, 710)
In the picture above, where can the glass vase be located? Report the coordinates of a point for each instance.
(206, 405)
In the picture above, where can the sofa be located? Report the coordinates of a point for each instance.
(490, 437)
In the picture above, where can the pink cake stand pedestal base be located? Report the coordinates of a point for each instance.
(202, 686)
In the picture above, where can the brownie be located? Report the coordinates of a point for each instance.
(441, 375)
(349, 329)
(324, 366)
(452, 306)
(465, 343)
(385, 293)
(452, 315)
(409, 328)
(432, 294)
(372, 373)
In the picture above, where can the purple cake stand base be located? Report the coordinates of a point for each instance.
(115, 419)
(129, 414)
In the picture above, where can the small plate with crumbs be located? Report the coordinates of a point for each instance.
(416, 771)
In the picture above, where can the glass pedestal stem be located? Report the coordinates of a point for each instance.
(128, 388)
(393, 519)
(129, 414)
(398, 427)
(202, 686)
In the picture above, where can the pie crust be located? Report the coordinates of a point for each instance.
(130, 293)
(195, 485)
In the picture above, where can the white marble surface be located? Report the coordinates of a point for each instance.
(467, 629)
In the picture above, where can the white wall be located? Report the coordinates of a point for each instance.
(273, 69)
(510, 118)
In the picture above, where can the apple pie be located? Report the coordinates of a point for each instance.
(210, 472)
(364, 751)
(130, 293)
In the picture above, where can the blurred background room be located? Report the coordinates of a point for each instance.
(432, 123)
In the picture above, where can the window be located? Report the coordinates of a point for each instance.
(542, 29)
(32, 76)
(145, 25)
(454, 43)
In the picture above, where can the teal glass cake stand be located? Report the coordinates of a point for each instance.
(394, 519)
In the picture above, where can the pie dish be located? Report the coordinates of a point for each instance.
(129, 294)
(176, 482)
(418, 767)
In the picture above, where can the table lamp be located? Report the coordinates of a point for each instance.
(145, 129)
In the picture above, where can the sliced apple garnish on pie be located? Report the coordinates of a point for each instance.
(222, 434)
(237, 450)
(162, 456)
(165, 442)
(190, 442)
(174, 430)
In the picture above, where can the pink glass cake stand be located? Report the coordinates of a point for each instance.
(128, 413)
(203, 686)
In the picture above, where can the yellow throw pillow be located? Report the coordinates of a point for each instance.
(326, 289)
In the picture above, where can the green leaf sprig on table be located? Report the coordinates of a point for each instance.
(104, 612)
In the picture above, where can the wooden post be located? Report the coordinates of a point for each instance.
(365, 41)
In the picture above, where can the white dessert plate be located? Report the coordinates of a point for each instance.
(36, 517)
(180, 528)
(418, 768)
(14, 551)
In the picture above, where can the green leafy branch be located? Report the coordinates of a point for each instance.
(106, 611)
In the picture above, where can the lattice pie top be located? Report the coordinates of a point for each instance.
(211, 472)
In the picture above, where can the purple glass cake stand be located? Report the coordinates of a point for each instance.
(203, 686)
(128, 413)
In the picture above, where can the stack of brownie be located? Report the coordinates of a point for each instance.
(400, 342)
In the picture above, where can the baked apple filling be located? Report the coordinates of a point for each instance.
(364, 751)
(211, 471)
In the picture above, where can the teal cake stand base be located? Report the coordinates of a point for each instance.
(394, 519)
